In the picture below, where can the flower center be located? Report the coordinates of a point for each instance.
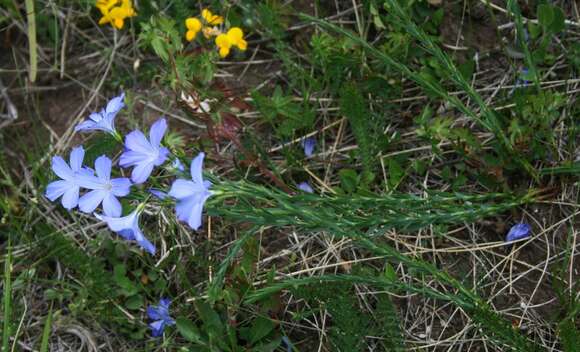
(155, 154)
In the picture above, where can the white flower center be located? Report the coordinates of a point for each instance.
(154, 155)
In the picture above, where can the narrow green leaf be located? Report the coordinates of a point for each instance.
(46, 331)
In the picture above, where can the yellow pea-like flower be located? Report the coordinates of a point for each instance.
(193, 27)
(209, 26)
(128, 9)
(105, 5)
(115, 13)
(223, 43)
(236, 37)
(118, 23)
(210, 18)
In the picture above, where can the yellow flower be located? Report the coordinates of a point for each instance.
(105, 5)
(210, 18)
(193, 27)
(234, 37)
(128, 7)
(114, 13)
(223, 43)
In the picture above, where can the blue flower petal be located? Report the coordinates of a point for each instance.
(56, 189)
(304, 186)
(518, 231)
(76, 158)
(70, 198)
(141, 172)
(162, 156)
(118, 224)
(121, 186)
(86, 126)
(183, 208)
(164, 305)
(128, 227)
(157, 328)
(61, 169)
(157, 132)
(190, 209)
(195, 217)
(115, 105)
(91, 200)
(127, 234)
(103, 167)
(158, 194)
(137, 142)
(130, 158)
(153, 313)
(196, 168)
(112, 206)
(183, 189)
(142, 241)
(88, 181)
(308, 144)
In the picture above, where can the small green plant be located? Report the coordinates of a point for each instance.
(283, 113)
(531, 130)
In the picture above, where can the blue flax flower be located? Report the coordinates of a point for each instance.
(518, 231)
(191, 195)
(144, 154)
(305, 186)
(160, 315)
(104, 189)
(128, 228)
(105, 119)
(308, 144)
(68, 187)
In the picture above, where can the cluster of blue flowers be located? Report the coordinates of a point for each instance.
(143, 155)
(140, 153)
